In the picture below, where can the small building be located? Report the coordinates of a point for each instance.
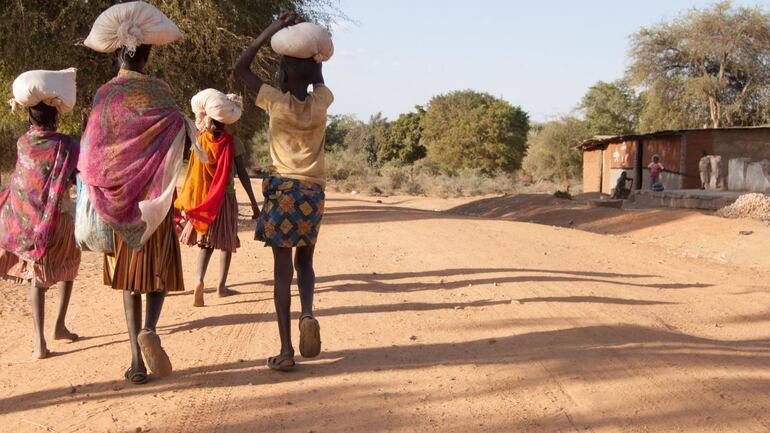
(604, 158)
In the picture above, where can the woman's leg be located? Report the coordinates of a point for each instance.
(37, 299)
(132, 303)
(203, 263)
(149, 342)
(224, 269)
(284, 272)
(309, 329)
(303, 263)
(154, 307)
(61, 332)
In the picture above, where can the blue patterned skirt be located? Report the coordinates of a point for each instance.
(292, 213)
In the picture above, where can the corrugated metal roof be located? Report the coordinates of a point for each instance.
(602, 141)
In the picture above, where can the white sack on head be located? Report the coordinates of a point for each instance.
(131, 25)
(212, 104)
(57, 89)
(304, 41)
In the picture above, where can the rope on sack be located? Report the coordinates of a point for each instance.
(236, 99)
(129, 36)
(203, 122)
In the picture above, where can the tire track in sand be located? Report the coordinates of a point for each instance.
(205, 406)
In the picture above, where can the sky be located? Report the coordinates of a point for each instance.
(541, 55)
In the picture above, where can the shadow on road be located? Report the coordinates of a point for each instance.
(597, 354)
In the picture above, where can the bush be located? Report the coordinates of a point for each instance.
(554, 153)
(346, 164)
(11, 128)
(348, 171)
(472, 130)
(258, 153)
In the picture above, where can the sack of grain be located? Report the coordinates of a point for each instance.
(212, 104)
(131, 25)
(304, 41)
(55, 88)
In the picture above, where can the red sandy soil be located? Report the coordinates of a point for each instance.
(436, 316)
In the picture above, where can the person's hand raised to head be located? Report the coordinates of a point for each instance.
(286, 19)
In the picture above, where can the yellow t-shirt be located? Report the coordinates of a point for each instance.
(297, 132)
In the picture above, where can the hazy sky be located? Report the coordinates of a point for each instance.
(542, 55)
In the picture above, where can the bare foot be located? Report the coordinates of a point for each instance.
(199, 295)
(224, 292)
(62, 333)
(41, 349)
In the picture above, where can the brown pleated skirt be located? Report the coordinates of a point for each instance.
(156, 267)
(61, 261)
(223, 231)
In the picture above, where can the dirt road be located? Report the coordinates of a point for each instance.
(432, 321)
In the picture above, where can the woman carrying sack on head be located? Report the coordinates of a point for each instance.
(208, 195)
(37, 235)
(132, 153)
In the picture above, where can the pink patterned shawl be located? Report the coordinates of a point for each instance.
(132, 153)
(29, 207)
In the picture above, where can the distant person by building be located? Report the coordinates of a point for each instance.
(704, 166)
(620, 187)
(656, 168)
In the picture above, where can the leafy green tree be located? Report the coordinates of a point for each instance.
(554, 153)
(48, 34)
(337, 130)
(468, 129)
(403, 138)
(707, 67)
(611, 108)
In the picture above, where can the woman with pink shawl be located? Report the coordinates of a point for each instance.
(132, 152)
(37, 235)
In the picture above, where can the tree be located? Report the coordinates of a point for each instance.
(554, 152)
(468, 129)
(337, 130)
(402, 140)
(362, 137)
(611, 108)
(709, 66)
(48, 34)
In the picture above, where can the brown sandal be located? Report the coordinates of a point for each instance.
(278, 363)
(309, 337)
(137, 377)
(156, 357)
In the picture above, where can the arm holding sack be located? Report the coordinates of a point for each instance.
(243, 65)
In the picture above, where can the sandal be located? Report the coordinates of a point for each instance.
(136, 377)
(156, 357)
(198, 296)
(279, 363)
(309, 337)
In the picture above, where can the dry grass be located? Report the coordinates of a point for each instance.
(348, 172)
